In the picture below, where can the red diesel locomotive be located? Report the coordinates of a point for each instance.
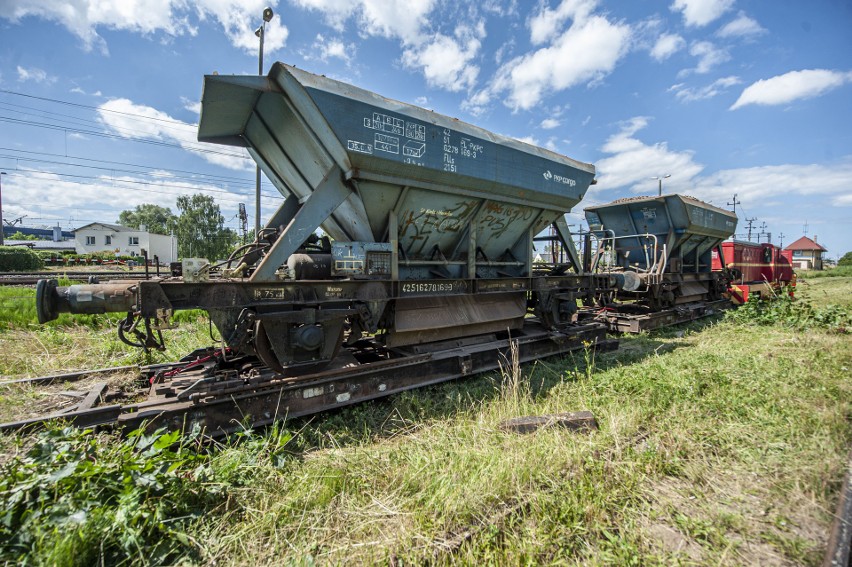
(758, 268)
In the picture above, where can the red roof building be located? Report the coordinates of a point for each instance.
(807, 254)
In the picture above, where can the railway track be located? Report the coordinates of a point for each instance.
(219, 392)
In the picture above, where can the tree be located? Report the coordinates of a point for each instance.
(157, 219)
(200, 229)
(846, 260)
(21, 236)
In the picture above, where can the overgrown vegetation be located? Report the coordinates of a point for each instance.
(794, 313)
(723, 442)
(75, 498)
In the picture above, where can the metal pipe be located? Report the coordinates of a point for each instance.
(51, 300)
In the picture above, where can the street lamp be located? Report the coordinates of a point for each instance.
(2, 173)
(260, 32)
(660, 178)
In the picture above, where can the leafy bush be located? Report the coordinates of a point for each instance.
(788, 312)
(19, 259)
(846, 260)
(73, 499)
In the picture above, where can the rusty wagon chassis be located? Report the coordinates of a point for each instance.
(221, 391)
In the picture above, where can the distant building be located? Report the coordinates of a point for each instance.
(124, 241)
(55, 233)
(48, 245)
(807, 254)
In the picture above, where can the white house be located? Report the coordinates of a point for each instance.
(124, 241)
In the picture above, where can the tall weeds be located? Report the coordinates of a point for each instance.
(794, 313)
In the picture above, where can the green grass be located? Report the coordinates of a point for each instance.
(827, 290)
(73, 342)
(838, 271)
(721, 442)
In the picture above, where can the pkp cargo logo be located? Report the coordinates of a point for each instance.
(559, 179)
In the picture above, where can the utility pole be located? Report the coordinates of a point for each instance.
(260, 33)
(750, 226)
(734, 203)
(2, 173)
(243, 221)
(781, 240)
(762, 231)
(660, 185)
(805, 228)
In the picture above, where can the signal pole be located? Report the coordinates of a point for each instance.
(750, 226)
(734, 203)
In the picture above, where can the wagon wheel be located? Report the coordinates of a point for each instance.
(266, 354)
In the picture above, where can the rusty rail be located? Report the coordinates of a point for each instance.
(223, 401)
(839, 551)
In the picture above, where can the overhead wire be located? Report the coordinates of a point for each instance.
(58, 121)
(122, 163)
(186, 146)
(157, 174)
(236, 197)
(97, 108)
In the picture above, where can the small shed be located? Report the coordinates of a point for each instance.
(807, 254)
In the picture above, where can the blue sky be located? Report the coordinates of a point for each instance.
(99, 98)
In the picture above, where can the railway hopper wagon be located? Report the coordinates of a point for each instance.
(402, 235)
(663, 247)
(756, 269)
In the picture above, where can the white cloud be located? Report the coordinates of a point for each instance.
(699, 13)
(689, 94)
(52, 196)
(844, 200)
(667, 45)
(400, 19)
(633, 162)
(35, 75)
(500, 8)
(130, 120)
(447, 62)
(756, 184)
(549, 124)
(193, 106)
(709, 56)
(325, 49)
(791, 86)
(83, 18)
(547, 23)
(531, 140)
(742, 26)
(585, 53)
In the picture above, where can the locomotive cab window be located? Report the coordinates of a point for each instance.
(767, 255)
